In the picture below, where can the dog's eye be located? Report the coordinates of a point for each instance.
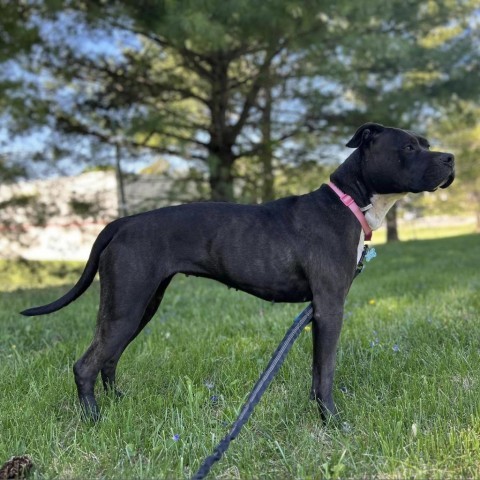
(409, 148)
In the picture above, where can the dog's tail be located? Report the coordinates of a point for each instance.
(85, 279)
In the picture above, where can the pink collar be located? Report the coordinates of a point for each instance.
(350, 203)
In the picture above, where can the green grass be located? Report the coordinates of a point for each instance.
(414, 412)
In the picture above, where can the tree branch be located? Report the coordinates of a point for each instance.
(253, 92)
(259, 146)
(72, 126)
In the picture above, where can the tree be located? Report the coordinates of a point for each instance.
(228, 84)
(187, 85)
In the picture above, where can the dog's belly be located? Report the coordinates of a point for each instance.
(274, 292)
(284, 292)
(265, 278)
(274, 279)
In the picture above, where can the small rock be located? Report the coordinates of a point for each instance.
(16, 467)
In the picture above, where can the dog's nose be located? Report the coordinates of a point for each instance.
(449, 159)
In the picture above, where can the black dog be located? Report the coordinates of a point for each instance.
(296, 249)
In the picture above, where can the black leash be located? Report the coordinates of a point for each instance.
(263, 382)
(300, 322)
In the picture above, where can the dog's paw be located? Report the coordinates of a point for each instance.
(328, 410)
(118, 394)
(115, 393)
(90, 411)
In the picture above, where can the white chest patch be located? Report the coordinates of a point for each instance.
(376, 213)
(381, 204)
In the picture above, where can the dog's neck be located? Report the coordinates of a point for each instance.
(380, 205)
(348, 177)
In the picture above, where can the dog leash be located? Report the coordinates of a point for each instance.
(262, 383)
(278, 357)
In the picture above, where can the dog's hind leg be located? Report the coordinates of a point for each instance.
(109, 368)
(127, 293)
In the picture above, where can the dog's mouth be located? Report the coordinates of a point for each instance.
(449, 180)
(446, 182)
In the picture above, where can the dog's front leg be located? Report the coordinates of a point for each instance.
(326, 332)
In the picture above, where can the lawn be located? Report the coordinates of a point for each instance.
(407, 381)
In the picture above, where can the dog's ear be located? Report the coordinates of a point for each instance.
(364, 134)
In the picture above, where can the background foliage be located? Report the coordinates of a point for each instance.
(240, 91)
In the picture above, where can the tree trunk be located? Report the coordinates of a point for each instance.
(266, 154)
(392, 230)
(122, 201)
(221, 176)
(220, 154)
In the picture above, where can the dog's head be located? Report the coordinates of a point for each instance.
(400, 161)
